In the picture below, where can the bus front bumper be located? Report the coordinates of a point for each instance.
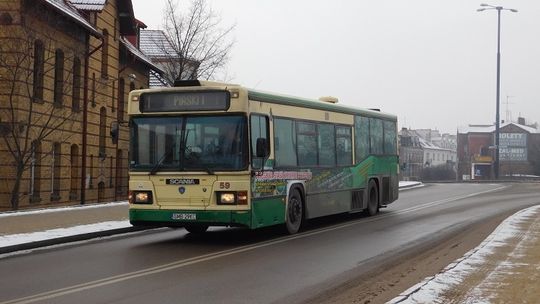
(180, 218)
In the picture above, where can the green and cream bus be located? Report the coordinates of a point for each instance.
(213, 154)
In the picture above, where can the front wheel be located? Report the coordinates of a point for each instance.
(196, 229)
(295, 212)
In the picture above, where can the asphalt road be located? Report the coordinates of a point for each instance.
(241, 266)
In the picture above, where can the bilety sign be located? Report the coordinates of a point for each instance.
(513, 146)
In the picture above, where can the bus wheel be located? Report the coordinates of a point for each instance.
(373, 198)
(196, 228)
(295, 213)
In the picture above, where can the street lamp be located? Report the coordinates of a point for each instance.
(497, 117)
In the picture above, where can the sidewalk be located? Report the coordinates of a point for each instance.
(31, 229)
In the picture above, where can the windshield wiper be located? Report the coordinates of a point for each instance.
(160, 161)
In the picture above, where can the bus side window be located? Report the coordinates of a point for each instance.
(285, 137)
(361, 138)
(390, 137)
(376, 136)
(259, 130)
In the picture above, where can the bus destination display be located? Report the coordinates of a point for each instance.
(184, 101)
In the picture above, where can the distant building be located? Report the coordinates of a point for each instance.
(425, 148)
(411, 155)
(519, 151)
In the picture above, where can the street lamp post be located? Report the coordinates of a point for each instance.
(497, 114)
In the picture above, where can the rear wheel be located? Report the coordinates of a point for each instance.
(373, 198)
(196, 228)
(295, 212)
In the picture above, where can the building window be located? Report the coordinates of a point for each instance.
(55, 178)
(101, 192)
(119, 171)
(39, 61)
(105, 54)
(76, 90)
(59, 78)
(35, 172)
(74, 172)
(120, 114)
(102, 130)
(6, 19)
(93, 92)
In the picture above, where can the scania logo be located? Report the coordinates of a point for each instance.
(182, 181)
(182, 190)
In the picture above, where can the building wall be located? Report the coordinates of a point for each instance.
(474, 148)
(31, 22)
(438, 157)
(106, 172)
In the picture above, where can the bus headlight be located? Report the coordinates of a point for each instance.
(140, 197)
(232, 198)
(226, 198)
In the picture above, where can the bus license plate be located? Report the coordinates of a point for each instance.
(184, 216)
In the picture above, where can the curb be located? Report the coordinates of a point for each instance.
(69, 239)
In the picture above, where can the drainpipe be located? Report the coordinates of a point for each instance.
(85, 118)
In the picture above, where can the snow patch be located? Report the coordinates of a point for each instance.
(23, 238)
(431, 289)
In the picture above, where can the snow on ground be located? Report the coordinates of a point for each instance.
(60, 209)
(410, 184)
(23, 238)
(432, 288)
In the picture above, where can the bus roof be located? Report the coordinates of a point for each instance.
(314, 104)
(283, 99)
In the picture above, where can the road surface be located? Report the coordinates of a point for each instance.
(262, 266)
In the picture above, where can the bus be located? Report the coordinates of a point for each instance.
(215, 154)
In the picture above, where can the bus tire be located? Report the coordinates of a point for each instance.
(196, 228)
(295, 212)
(373, 198)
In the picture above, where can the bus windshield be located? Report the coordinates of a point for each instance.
(188, 143)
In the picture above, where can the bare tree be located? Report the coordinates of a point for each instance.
(199, 46)
(24, 118)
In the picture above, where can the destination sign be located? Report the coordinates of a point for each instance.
(184, 101)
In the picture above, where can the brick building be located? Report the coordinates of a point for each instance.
(66, 69)
(519, 151)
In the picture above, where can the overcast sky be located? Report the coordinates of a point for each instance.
(430, 62)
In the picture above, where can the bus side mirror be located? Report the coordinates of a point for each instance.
(262, 147)
(114, 132)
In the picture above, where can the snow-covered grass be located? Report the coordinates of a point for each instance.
(432, 288)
